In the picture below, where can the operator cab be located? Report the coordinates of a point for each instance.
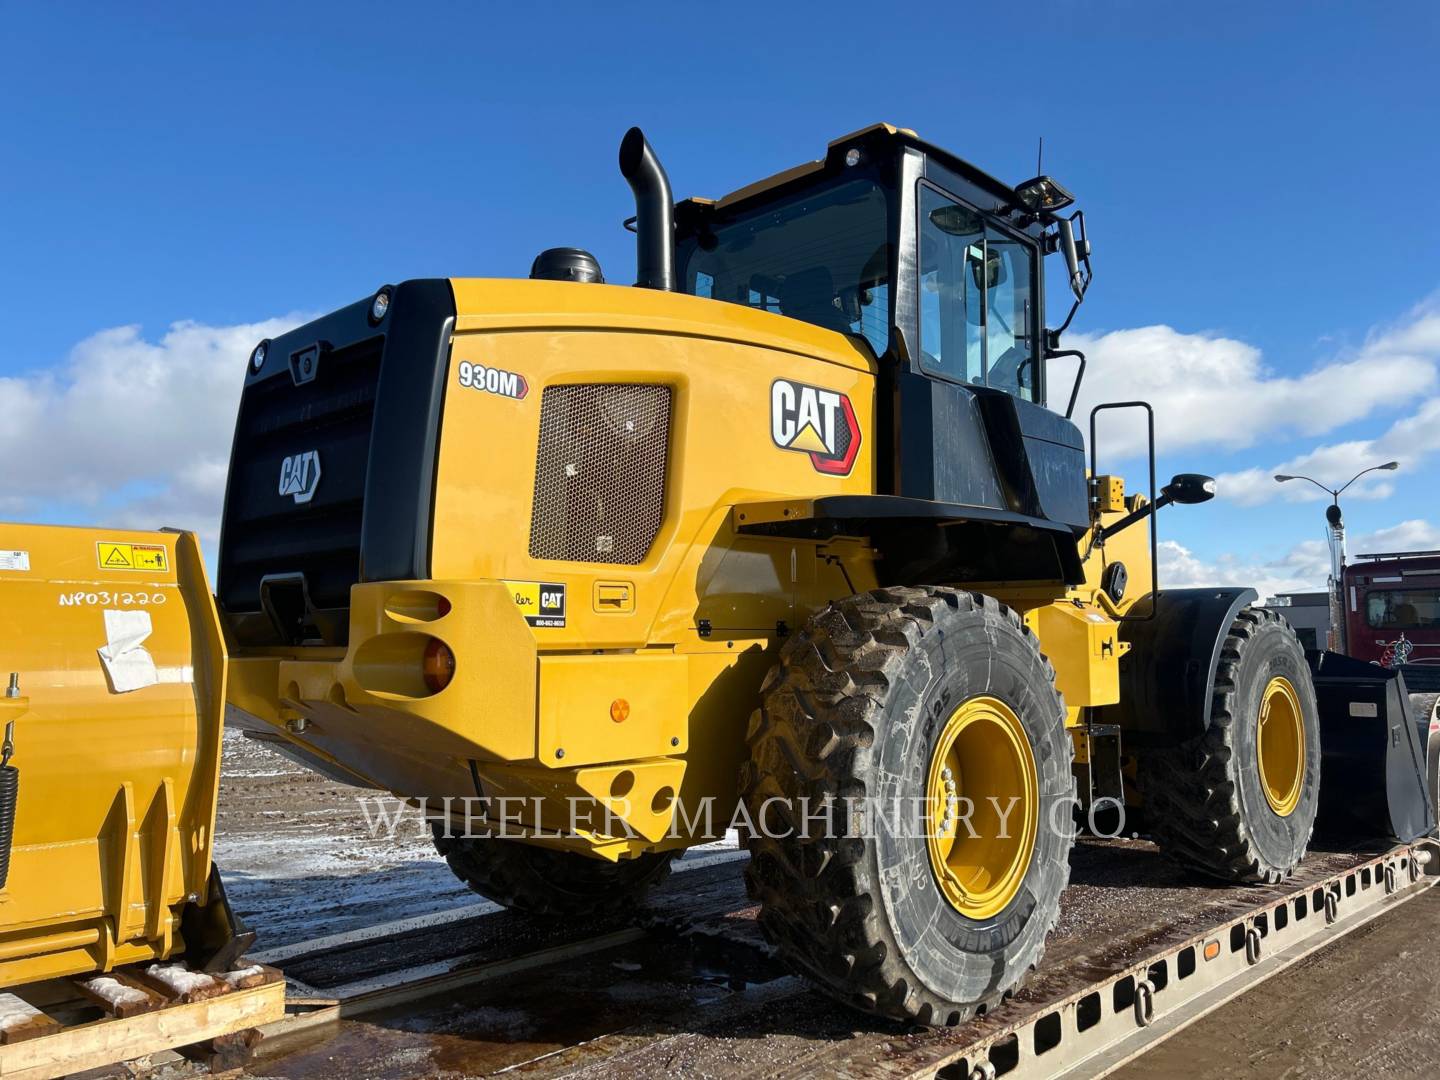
(936, 268)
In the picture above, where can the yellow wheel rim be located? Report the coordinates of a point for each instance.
(1280, 746)
(982, 765)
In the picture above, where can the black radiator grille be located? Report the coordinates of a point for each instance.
(267, 532)
(600, 472)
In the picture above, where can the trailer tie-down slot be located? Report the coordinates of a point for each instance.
(1096, 1029)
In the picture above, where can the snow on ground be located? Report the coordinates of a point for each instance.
(301, 859)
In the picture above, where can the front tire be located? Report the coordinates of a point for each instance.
(1238, 801)
(870, 704)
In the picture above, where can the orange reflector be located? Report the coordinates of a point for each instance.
(619, 710)
(438, 665)
(1212, 950)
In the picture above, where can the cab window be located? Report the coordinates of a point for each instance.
(822, 256)
(976, 298)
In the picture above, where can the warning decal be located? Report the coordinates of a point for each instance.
(150, 557)
(541, 602)
(14, 560)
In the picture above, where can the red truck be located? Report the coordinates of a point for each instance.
(1392, 614)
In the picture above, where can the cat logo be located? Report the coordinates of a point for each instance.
(817, 422)
(300, 475)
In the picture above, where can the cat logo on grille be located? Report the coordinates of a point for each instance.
(817, 422)
(300, 476)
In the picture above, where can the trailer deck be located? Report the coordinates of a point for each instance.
(687, 984)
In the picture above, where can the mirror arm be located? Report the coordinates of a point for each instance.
(1051, 354)
(1131, 518)
(1074, 307)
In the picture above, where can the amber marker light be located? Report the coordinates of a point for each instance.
(438, 665)
(619, 710)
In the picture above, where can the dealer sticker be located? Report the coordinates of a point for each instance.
(14, 560)
(541, 602)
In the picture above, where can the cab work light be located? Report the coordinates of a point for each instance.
(1042, 196)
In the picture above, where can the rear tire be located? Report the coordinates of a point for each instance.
(1207, 801)
(546, 881)
(859, 710)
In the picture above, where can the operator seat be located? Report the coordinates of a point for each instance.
(810, 295)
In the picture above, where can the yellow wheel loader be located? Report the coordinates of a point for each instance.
(786, 539)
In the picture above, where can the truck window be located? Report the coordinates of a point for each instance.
(976, 298)
(1403, 609)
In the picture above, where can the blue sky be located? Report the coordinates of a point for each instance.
(1256, 178)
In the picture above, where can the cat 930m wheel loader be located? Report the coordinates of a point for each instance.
(786, 538)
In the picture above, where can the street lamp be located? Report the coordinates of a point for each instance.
(1336, 537)
(1334, 493)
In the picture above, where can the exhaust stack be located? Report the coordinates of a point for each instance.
(654, 213)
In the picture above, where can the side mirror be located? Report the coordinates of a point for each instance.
(1079, 282)
(1186, 489)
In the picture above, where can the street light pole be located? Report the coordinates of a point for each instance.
(1335, 536)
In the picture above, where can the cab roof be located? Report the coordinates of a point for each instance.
(876, 135)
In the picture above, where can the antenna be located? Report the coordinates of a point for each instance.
(1040, 156)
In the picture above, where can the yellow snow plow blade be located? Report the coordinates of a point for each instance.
(115, 707)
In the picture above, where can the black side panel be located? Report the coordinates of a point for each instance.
(1041, 456)
(1167, 679)
(1372, 765)
(400, 485)
(943, 452)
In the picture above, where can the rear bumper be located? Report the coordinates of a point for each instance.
(512, 722)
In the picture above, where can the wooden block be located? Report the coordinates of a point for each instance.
(119, 995)
(225, 1053)
(19, 1020)
(255, 975)
(176, 982)
(88, 1046)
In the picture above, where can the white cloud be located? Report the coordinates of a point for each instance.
(1214, 391)
(1409, 441)
(1414, 535)
(137, 432)
(1303, 568)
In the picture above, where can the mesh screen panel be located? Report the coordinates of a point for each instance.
(600, 472)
